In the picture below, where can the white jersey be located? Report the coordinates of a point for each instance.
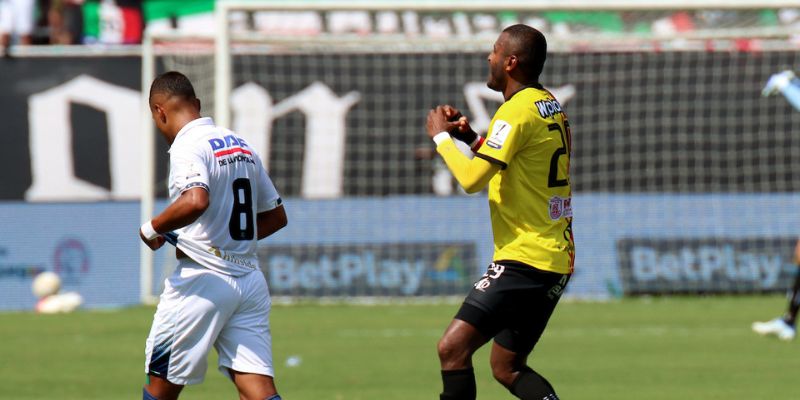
(224, 237)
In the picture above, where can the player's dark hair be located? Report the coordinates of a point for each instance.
(173, 83)
(530, 47)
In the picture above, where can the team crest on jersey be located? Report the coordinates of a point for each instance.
(560, 208)
(500, 131)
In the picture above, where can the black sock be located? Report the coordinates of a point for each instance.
(531, 386)
(794, 301)
(458, 385)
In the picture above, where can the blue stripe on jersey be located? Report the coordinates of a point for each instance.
(196, 184)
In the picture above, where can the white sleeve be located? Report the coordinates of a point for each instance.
(268, 197)
(188, 170)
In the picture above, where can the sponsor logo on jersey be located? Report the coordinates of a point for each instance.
(560, 208)
(233, 147)
(548, 108)
(232, 258)
(228, 145)
(500, 131)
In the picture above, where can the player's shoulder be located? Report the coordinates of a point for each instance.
(530, 104)
(522, 105)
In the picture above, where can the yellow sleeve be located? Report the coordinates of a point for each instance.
(473, 175)
(504, 137)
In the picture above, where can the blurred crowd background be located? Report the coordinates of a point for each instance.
(69, 22)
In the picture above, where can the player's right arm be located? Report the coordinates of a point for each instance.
(189, 175)
(186, 209)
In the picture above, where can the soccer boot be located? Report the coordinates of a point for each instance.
(777, 327)
(777, 82)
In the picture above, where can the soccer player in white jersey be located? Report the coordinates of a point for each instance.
(785, 327)
(222, 203)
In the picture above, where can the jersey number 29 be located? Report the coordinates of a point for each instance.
(241, 224)
(564, 150)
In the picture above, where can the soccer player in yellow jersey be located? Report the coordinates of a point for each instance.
(525, 162)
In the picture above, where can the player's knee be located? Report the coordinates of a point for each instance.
(503, 373)
(444, 348)
(451, 351)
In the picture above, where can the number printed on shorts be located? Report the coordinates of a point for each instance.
(241, 223)
(494, 272)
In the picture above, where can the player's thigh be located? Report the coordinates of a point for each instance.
(527, 314)
(194, 307)
(462, 337)
(488, 304)
(245, 343)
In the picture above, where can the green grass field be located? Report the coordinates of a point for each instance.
(663, 348)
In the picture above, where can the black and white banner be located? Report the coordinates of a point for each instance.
(336, 125)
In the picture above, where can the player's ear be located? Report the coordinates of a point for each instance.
(161, 114)
(511, 63)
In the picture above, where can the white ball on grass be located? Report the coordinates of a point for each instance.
(45, 284)
(59, 303)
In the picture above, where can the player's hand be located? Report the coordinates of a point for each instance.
(437, 122)
(462, 131)
(154, 244)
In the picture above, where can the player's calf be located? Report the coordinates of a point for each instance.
(458, 385)
(529, 385)
(147, 396)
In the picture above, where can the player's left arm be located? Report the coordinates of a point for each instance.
(271, 216)
(472, 174)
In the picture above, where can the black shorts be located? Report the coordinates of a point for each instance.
(512, 303)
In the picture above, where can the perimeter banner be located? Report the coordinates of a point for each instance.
(335, 125)
(706, 265)
(394, 269)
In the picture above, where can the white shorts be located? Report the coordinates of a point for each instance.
(200, 307)
(16, 16)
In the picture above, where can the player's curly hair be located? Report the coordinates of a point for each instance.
(530, 47)
(173, 83)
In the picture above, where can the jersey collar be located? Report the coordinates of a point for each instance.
(192, 124)
(532, 85)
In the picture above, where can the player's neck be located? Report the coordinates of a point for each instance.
(513, 87)
(181, 120)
